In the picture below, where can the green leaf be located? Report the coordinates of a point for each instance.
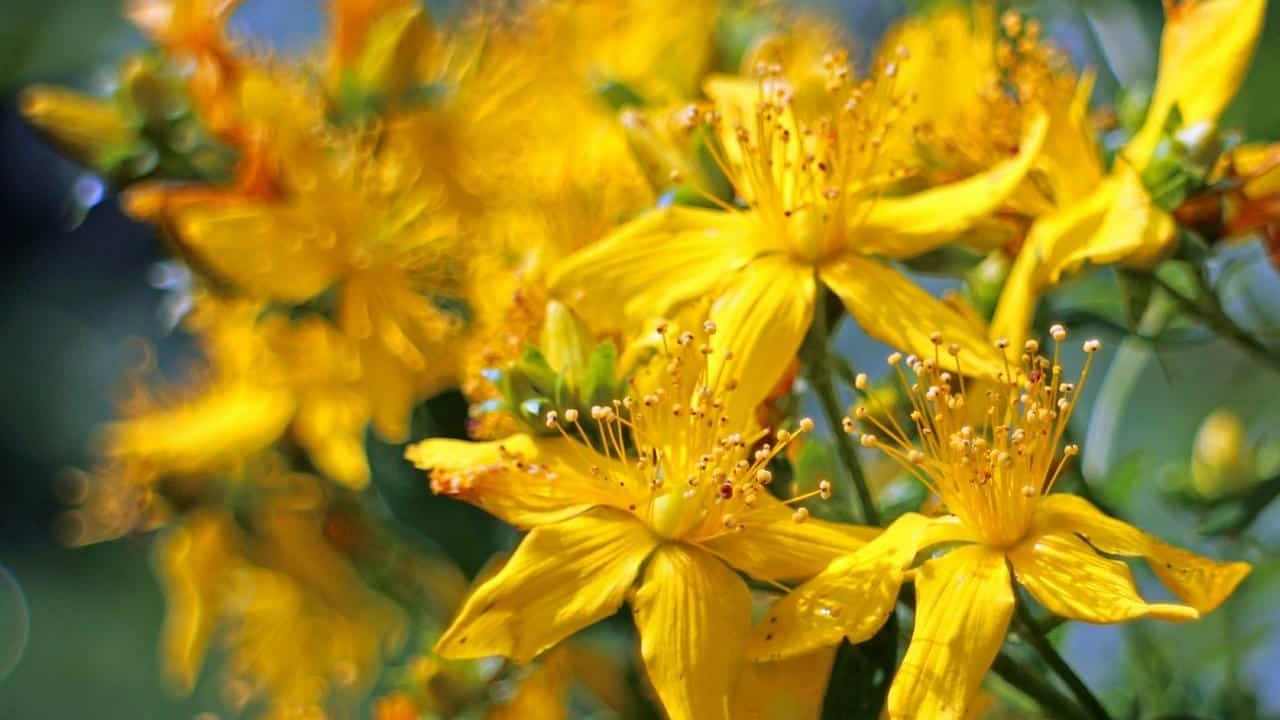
(598, 385)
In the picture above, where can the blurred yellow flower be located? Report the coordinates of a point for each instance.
(300, 626)
(689, 507)
(816, 213)
(1003, 524)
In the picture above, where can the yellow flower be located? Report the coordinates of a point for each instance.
(816, 214)
(1003, 524)
(300, 625)
(1204, 52)
(688, 507)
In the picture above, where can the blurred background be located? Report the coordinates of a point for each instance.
(79, 627)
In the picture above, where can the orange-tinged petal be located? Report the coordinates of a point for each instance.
(762, 318)
(902, 227)
(562, 578)
(895, 311)
(1204, 52)
(693, 615)
(853, 597)
(1073, 581)
(790, 689)
(555, 483)
(1198, 581)
(653, 263)
(771, 545)
(964, 601)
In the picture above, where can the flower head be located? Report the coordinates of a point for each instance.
(1002, 523)
(666, 478)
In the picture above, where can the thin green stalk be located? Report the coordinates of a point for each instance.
(820, 377)
(1048, 697)
(1028, 631)
(1214, 316)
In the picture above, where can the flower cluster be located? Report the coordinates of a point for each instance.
(621, 230)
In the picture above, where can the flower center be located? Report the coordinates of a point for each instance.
(991, 460)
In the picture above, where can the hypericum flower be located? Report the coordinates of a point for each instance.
(1204, 52)
(1002, 525)
(816, 214)
(665, 480)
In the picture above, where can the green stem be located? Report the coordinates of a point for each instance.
(1027, 631)
(820, 376)
(1049, 698)
(1211, 312)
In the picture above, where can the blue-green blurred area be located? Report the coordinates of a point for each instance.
(79, 627)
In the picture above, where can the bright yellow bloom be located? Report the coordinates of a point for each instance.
(816, 214)
(1003, 524)
(687, 507)
(1204, 52)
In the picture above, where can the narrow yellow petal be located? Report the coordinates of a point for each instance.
(693, 614)
(220, 426)
(762, 318)
(791, 689)
(1134, 231)
(1200, 582)
(266, 250)
(895, 311)
(556, 482)
(331, 427)
(964, 601)
(852, 598)
(193, 561)
(1052, 237)
(1073, 581)
(1204, 53)
(562, 578)
(653, 263)
(771, 545)
(902, 227)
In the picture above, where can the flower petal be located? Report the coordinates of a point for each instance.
(771, 545)
(552, 483)
(1204, 52)
(853, 597)
(895, 311)
(791, 689)
(1052, 237)
(1073, 581)
(1200, 582)
(653, 263)
(265, 249)
(964, 603)
(693, 614)
(762, 318)
(902, 227)
(562, 578)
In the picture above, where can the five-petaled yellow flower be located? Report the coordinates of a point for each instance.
(1002, 524)
(664, 480)
(816, 212)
